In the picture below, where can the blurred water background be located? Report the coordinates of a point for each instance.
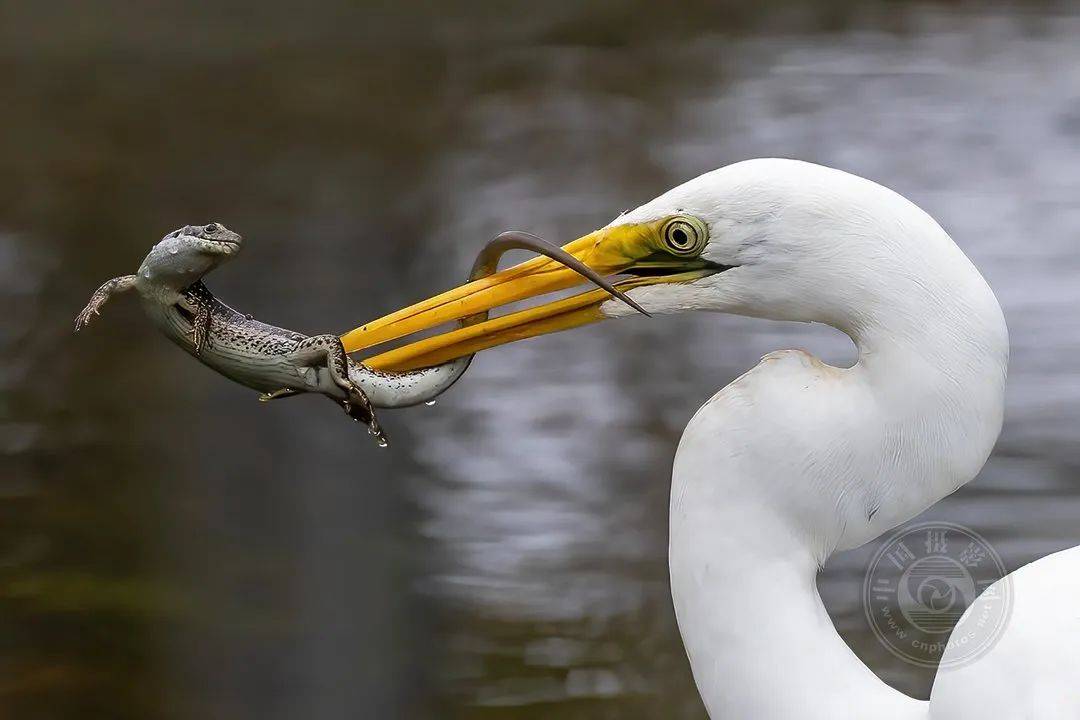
(169, 548)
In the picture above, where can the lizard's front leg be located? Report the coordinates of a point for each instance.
(198, 301)
(101, 296)
(200, 328)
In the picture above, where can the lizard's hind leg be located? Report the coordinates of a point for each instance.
(356, 403)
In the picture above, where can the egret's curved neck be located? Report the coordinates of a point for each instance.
(927, 392)
(758, 637)
(796, 460)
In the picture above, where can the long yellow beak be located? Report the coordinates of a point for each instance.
(607, 252)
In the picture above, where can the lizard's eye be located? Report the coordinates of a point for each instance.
(211, 228)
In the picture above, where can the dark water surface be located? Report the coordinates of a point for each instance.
(171, 548)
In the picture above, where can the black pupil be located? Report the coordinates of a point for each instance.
(679, 237)
(211, 228)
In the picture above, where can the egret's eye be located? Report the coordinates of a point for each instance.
(685, 236)
(212, 228)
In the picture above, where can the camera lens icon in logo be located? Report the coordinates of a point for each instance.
(933, 593)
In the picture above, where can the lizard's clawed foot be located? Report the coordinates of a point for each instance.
(359, 409)
(199, 334)
(274, 395)
(93, 308)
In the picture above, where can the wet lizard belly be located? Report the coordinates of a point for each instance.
(244, 350)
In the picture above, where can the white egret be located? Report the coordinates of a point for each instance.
(797, 459)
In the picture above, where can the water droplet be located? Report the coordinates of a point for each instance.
(429, 403)
(381, 442)
(173, 250)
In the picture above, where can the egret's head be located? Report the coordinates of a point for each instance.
(183, 256)
(780, 239)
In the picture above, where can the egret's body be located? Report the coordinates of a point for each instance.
(797, 459)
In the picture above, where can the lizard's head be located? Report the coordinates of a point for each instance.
(185, 255)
